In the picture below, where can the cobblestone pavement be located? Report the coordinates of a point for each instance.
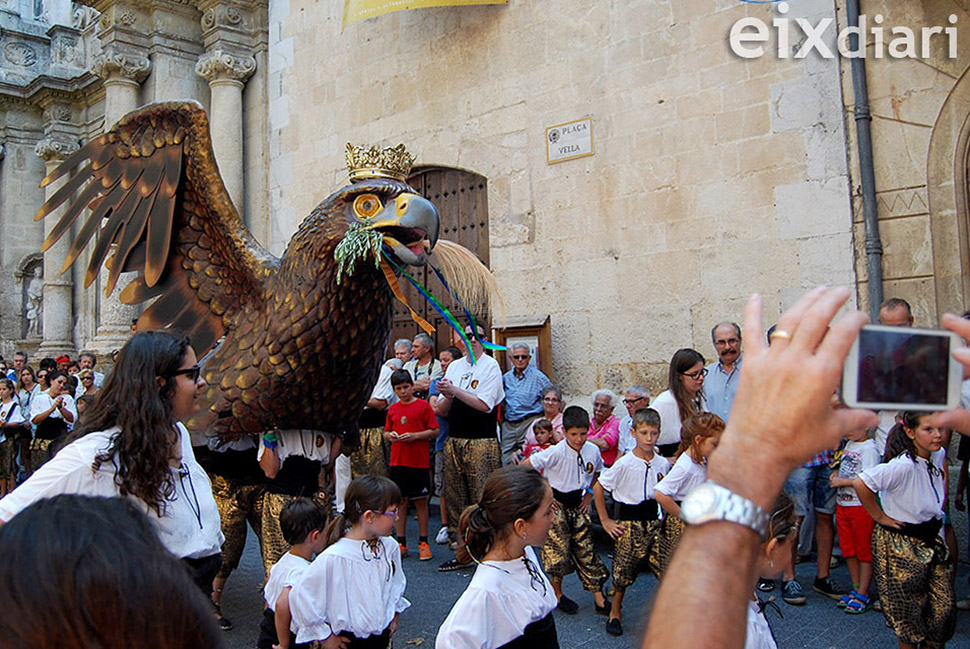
(817, 625)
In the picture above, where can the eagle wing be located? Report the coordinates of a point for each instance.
(159, 207)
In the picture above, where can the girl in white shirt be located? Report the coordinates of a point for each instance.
(509, 602)
(910, 560)
(132, 445)
(683, 398)
(698, 439)
(352, 594)
(775, 551)
(11, 423)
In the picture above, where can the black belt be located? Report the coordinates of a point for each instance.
(668, 450)
(540, 634)
(376, 641)
(568, 499)
(925, 531)
(645, 511)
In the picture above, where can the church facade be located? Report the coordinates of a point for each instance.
(703, 171)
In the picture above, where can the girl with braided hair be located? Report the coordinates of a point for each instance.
(509, 602)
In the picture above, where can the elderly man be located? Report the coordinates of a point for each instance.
(523, 385)
(87, 361)
(402, 349)
(469, 395)
(723, 374)
(423, 367)
(637, 396)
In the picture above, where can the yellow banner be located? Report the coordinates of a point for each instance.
(355, 10)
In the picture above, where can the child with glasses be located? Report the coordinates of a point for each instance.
(353, 592)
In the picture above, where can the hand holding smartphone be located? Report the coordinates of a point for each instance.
(902, 368)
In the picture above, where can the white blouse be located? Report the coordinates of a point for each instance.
(11, 410)
(758, 632)
(43, 402)
(349, 587)
(632, 480)
(189, 525)
(684, 476)
(910, 492)
(284, 574)
(502, 599)
(564, 468)
(666, 406)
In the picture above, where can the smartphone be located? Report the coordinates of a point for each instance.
(902, 368)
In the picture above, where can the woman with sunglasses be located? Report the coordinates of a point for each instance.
(683, 398)
(86, 385)
(132, 445)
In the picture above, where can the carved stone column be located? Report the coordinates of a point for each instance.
(58, 315)
(227, 74)
(122, 73)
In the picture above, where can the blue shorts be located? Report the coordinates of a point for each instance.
(809, 486)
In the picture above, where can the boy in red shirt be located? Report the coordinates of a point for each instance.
(410, 424)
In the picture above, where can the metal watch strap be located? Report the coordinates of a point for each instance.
(738, 509)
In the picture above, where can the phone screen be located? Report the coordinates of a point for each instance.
(903, 366)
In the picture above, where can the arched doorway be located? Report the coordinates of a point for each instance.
(462, 201)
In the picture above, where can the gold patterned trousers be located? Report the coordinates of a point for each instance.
(570, 547)
(915, 581)
(632, 552)
(238, 504)
(41, 450)
(371, 458)
(468, 463)
(274, 545)
(671, 530)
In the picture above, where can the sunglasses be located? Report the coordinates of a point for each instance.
(520, 357)
(192, 372)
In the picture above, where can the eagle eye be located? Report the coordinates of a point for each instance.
(367, 206)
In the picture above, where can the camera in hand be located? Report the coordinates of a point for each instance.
(896, 368)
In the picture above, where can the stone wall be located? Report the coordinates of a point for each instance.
(919, 109)
(713, 176)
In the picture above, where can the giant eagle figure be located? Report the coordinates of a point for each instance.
(301, 347)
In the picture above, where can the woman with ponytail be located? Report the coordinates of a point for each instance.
(352, 594)
(509, 602)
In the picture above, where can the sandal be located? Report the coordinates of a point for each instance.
(859, 605)
(845, 599)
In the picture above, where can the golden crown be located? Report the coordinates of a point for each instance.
(374, 162)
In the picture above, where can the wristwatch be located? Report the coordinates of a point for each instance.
(709, 501)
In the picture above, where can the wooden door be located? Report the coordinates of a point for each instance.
(461, 198)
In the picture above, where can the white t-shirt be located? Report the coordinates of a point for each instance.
(43, 402)
(856, 457)
(910, 492)
(484, 378)
(311, 444)
(684, 476)
(10, 413)
(383, 389)
(880, 434)
(632, 480)
(564, 468)
(502, 599)
(349, 588)
(284, 574)
(189, 525)
(758, 634)
(666, 406)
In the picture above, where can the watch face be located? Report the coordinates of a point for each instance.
(700, 501)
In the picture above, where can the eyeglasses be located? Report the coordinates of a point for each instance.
(520, 357)
(630, 402)
(392, 514)
(729, 341)
(550, 400)
(192, 372)
(699, 374)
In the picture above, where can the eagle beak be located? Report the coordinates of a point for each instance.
(412, 230)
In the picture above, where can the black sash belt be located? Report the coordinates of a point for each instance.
(378, 641)
(645, 511)
(541, 634)
(925, 531)
(568, 498)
